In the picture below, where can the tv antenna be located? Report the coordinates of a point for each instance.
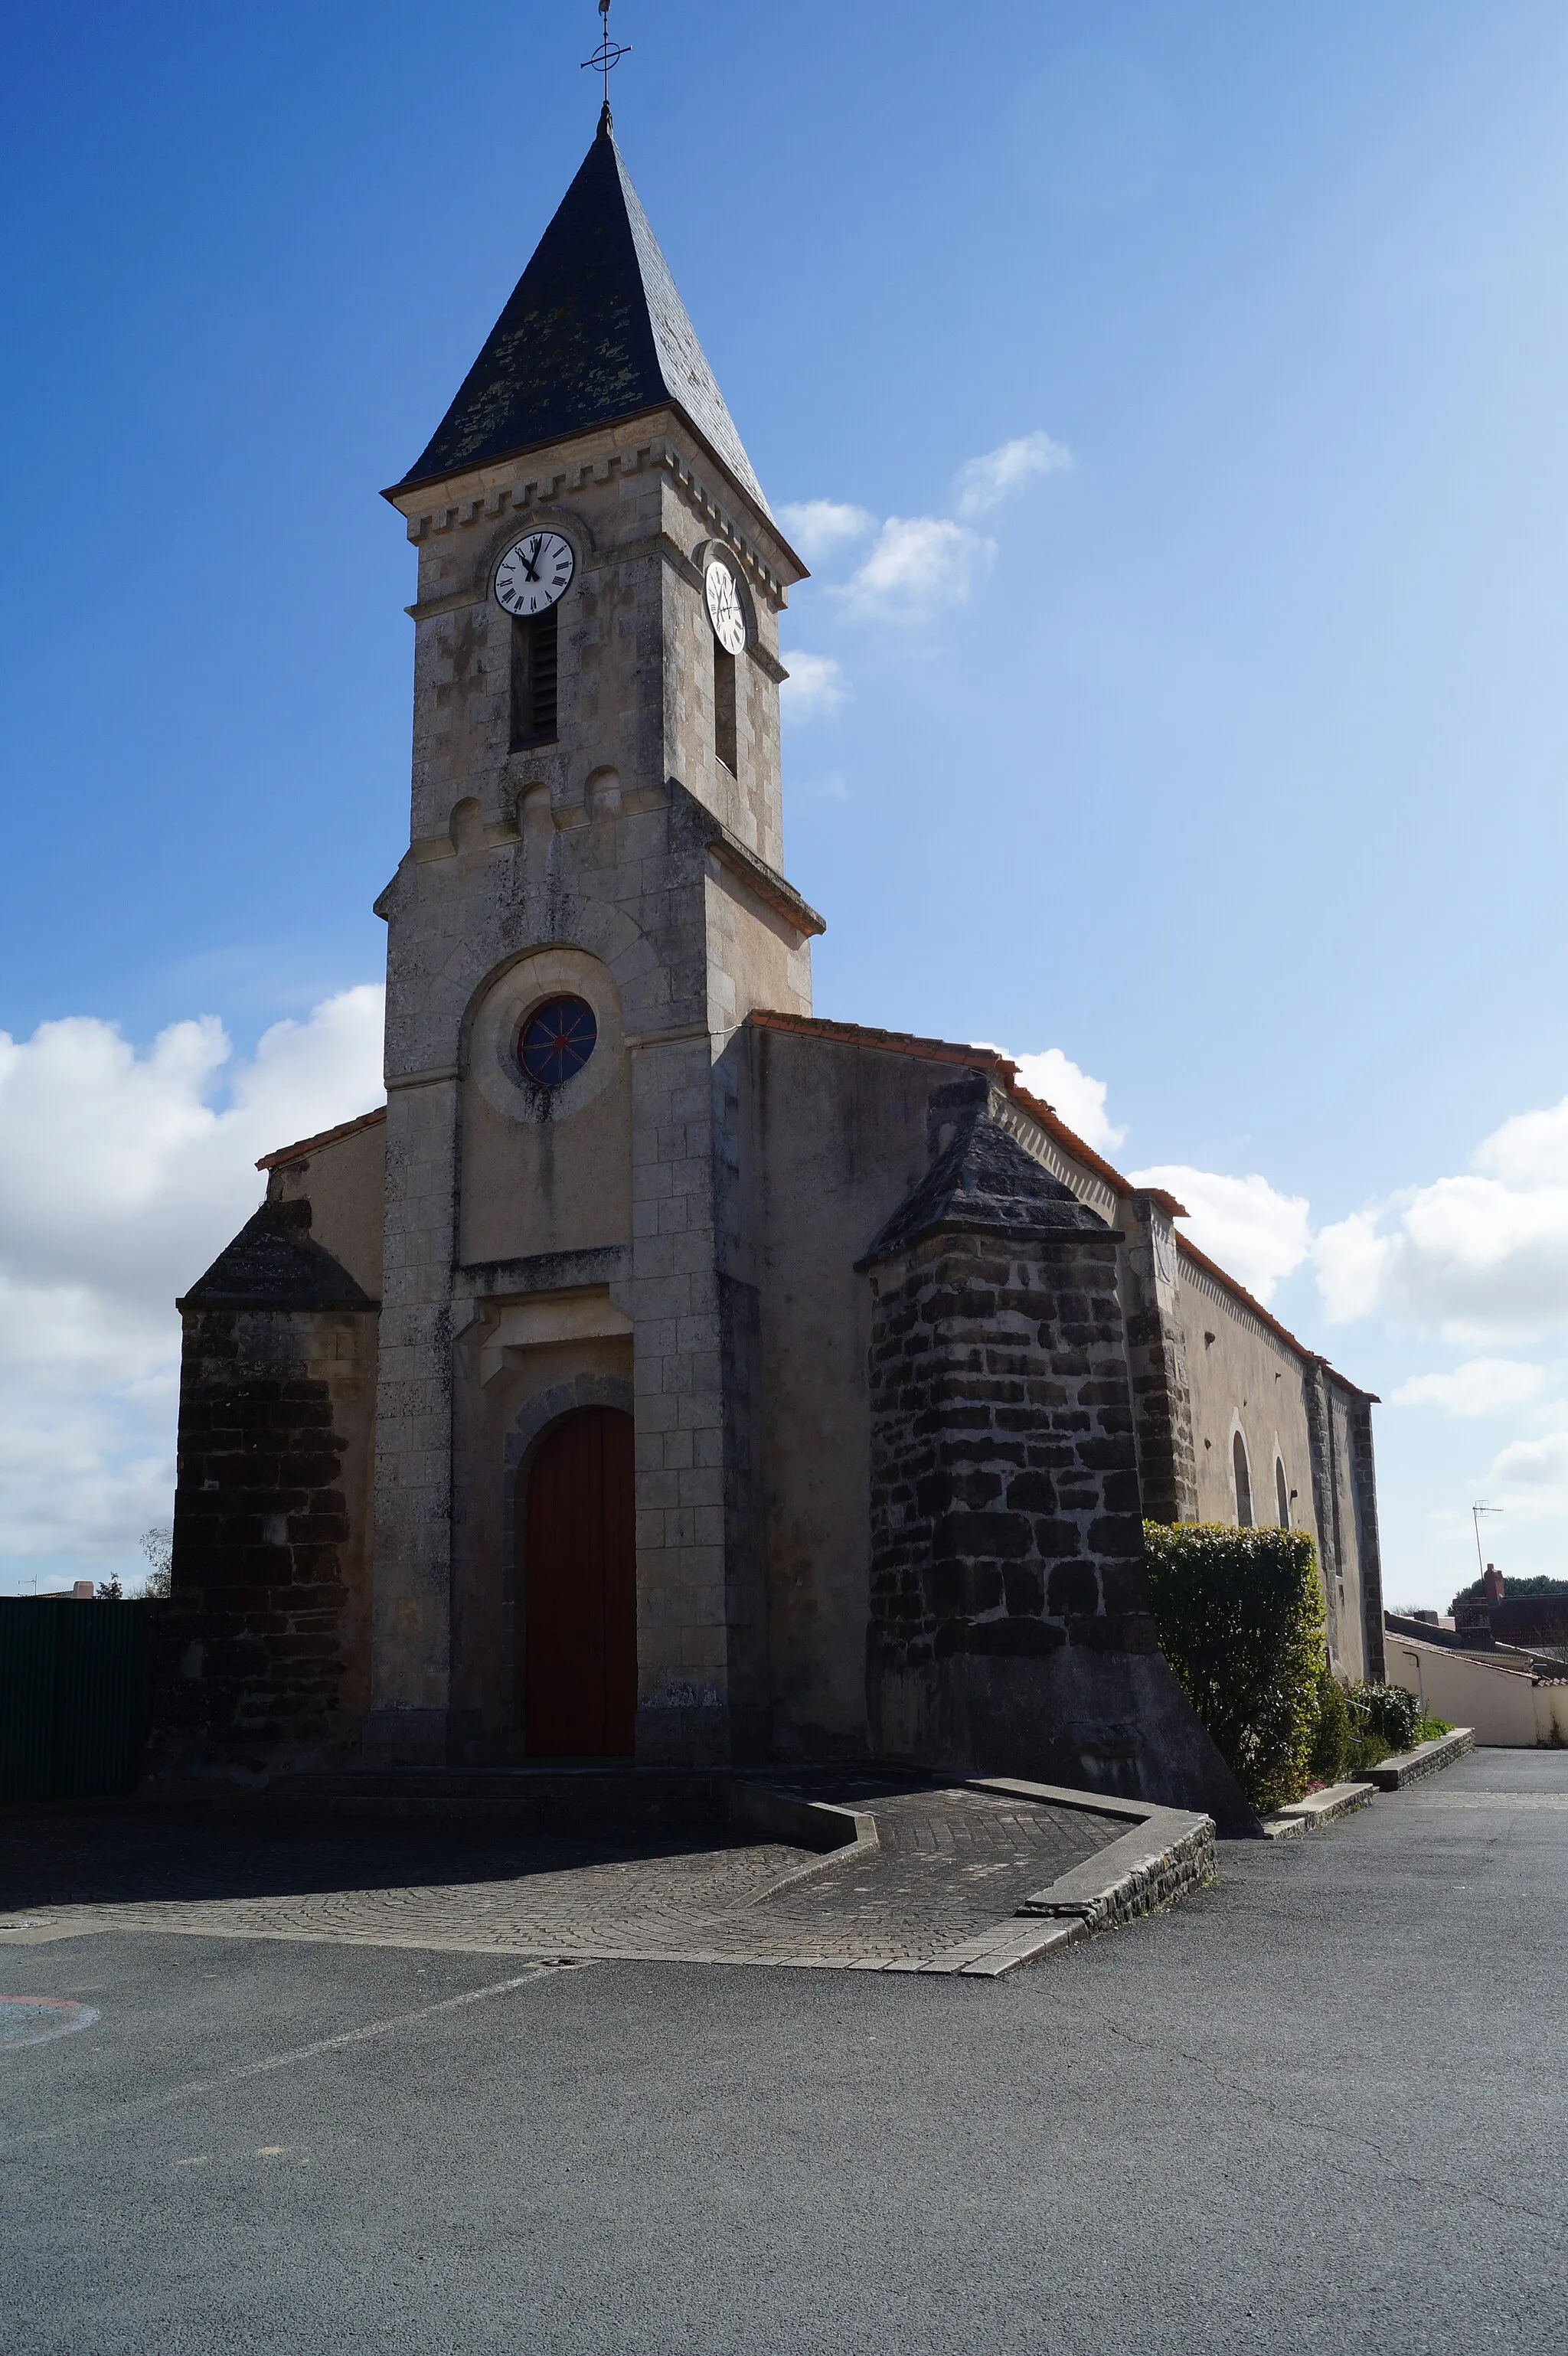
(1476, 1512)
(606, 58)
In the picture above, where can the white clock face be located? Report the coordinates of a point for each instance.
(535, 572)
(725, 610)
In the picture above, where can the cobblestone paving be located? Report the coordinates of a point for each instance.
(951, 1867)
(950, 1863)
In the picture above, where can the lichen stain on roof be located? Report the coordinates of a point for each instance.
(275, 1262)
(984, 1184)
(594, 332)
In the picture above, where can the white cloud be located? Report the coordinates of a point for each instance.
(985, 484)
(1078, 1099)
(815, 528)
(121, 1176)
(1529, 1479)
(1534, 1464)
(1256, 1233)
(814, 688)
(916, 564)
(1530, 1150)
(1481, 1257)
(1480, 1387)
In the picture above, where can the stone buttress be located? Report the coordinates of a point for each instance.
(1011, 1629)
(260, 1656)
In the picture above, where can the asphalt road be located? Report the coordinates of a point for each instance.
(1322, 2107)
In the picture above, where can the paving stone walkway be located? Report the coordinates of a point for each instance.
(941, 1887)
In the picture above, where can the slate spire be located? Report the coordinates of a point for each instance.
(594, 332)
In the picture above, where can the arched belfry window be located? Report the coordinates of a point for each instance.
(1282, 1495)
(1244, 1483)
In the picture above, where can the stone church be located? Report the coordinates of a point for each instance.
(668, 1374)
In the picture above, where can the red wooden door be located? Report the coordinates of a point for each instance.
(580, 1659)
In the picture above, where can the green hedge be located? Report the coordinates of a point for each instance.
(1240, 1616)
(1331, 1736)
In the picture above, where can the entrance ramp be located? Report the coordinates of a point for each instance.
(821, 1868)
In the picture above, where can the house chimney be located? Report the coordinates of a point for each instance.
(1492, 1585)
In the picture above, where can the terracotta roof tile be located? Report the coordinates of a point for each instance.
(322, 1137)
(948, 1051)
(987, 1059)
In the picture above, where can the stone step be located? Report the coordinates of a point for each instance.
(1317, 1808)
(1426, 1759)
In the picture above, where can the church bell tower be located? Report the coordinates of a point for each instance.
(591, 902)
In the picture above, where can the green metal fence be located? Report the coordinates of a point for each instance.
(72, 1696)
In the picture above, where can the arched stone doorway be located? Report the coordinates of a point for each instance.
(580, 1641)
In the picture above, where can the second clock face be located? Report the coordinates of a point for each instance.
(534, 573)
(725, 610)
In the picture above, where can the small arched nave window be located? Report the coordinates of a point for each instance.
(1244, 1483)
(1281, 1493)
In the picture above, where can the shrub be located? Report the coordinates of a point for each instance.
(1364, 1750)
(1239, 1619)
(1331, 1736)
(1433, 1729)
(1387, 1713)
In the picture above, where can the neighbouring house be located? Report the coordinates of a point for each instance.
(1510, 1699)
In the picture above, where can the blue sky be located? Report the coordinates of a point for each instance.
(1222, 752)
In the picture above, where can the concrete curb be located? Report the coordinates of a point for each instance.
(1393, 1775)
(845, 1835)
(1169, 1854)
(1166, 1853)
(1318, 1808)
(1426, 1759)
(1162, 1855)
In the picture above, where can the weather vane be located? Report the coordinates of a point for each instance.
(606, 58)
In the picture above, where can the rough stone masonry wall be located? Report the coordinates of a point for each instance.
(1369, 1550)
(1156, 1362)
(1005, 1508)
(268, 1599)
(1009, 1625)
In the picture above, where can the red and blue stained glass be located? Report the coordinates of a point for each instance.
(557, 1041)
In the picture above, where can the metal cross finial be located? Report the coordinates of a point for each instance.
(606, 58)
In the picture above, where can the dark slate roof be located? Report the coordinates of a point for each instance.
(984, 1184)
(275, 1262)
(594, 332)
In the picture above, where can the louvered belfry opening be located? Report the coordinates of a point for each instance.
(534, 647)
(724, 731)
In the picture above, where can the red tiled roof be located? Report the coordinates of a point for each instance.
(322, 1137)
(936, 1051)
(987, 1059)
(947, 1051)
(1211, 1267)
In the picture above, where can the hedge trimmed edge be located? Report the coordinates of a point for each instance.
(1240, 1618)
